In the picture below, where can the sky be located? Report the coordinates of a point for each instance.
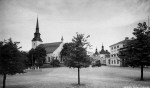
(106, 21)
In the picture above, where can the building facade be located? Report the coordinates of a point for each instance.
(52, 49)
(114, 52)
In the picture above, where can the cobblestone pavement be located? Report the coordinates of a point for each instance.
(63, 77)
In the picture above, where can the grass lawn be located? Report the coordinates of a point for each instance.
(96, 77)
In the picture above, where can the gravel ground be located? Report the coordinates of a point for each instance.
(63, 77)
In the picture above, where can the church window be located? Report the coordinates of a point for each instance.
(109, 61)
(118, 46)
(114, 61)
(48, 59)
(117, 61)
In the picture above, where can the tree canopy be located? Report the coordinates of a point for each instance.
(75, 53)
(11, 58)
(11, 61)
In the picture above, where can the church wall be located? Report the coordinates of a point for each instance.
(35, 44)
(55, 54)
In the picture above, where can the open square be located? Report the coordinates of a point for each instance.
(97, 77)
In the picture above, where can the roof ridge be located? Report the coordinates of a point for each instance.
(52, 42)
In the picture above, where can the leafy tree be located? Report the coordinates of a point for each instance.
(37, 56)
(137, 50)
(55, 63)
(11, 61)
(75, 53)
(31, 59)
(26, 59)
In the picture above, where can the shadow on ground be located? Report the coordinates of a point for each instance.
(75, 85)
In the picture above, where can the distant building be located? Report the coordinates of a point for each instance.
(102, 55)
(52, 49)
(114, 51)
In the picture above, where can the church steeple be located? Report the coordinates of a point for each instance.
(36, 40)
(37, 34)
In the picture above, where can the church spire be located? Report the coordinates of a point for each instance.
(62, 39)
(37, 26)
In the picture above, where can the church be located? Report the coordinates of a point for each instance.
(102, 55)
(52, 49)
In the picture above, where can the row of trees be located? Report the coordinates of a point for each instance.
(136, 51)
(13, 60)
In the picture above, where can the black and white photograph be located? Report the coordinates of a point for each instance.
(74, 43)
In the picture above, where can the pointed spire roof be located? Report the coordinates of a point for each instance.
(96, 53)
(62, 39)
(102, 50)
(37, 26)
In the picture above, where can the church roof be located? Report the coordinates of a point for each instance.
(102, 51)
(50, 47)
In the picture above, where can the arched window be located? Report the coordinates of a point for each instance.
(49, 59)
(114, 61)
(117, 61)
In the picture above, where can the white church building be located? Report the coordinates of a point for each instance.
(52, 49)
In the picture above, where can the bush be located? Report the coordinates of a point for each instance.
(55, 63)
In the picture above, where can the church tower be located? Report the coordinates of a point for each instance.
(96, 53)
(36, 40)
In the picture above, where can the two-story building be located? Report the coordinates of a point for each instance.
(114, 52)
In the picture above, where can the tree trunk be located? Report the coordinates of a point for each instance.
(78, 76)
(141, 71)
(4, 80)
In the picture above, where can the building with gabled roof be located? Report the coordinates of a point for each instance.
(52, 49)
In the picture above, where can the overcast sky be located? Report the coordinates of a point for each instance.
(106, 21)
